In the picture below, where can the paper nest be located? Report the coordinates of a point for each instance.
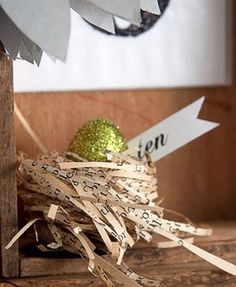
(90, 208)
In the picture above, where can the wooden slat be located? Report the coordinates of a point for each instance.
(176, 267)
(172, 278)
(145, 257)
(8, 193)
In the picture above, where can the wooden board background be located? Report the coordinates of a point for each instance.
(198, 180)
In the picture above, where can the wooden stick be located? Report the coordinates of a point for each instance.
(9, 266)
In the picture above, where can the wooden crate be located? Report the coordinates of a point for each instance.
(198, 180)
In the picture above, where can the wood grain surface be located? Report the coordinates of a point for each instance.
(175, 267)
(145, 256)
(175, 278)
(8, 195)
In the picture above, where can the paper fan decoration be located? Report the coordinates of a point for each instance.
(30, 27)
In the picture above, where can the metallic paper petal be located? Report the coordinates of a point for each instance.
(29, 51)
(25, 52)
(16, 42)
(9, 35)
(151, 6)
(128, 10)
(37, 53)
(46, 23)
(94, 14)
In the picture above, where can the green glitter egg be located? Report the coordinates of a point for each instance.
(95, 137)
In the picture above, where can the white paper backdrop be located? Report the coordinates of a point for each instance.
(188, 46)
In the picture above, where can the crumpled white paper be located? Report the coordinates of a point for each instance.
(29, 27)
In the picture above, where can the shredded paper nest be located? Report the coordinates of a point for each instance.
(92, 208)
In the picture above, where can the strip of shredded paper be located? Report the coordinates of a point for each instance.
(91, 206)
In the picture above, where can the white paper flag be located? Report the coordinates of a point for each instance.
(173, 132)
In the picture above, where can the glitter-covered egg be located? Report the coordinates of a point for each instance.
(95, 137)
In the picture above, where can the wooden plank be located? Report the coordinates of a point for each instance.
(181, 279)
(173, 266)
(8, 193)
(222, 243)
(172, 278)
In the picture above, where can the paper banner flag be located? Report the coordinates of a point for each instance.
(173, 132)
